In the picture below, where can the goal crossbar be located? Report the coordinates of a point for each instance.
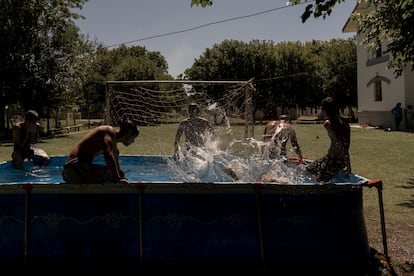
(178, 82)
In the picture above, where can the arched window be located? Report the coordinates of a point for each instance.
(377, 81)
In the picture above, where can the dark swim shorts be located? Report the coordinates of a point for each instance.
(78, 172)
(326, 167)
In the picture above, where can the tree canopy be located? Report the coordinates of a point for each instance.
(287, 74)
(39, 46)
(47, 65)
(389, 20)
(122, 63)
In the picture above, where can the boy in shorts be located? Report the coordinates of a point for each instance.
(25, 136)
(80, 169)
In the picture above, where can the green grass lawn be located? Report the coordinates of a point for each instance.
(375, 154)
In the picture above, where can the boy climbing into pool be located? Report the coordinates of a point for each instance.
(339, 133)
(79, 167)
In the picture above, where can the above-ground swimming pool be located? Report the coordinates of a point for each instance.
(161, 220)
(163, 169)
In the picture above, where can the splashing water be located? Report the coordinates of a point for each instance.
(200, 164)
(38, 171)
(245, 159)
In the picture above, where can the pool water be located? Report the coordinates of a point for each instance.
(162, 168)
(136, 168)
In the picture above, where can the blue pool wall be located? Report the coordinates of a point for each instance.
(252, 225)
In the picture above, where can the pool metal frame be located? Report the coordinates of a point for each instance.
(258, 189)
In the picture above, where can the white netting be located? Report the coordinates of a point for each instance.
(156, 102)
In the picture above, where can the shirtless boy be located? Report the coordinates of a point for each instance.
(26, 134)
(339, 133)
(278, 133)
(197, 131)
(79, 167)
(195, 128)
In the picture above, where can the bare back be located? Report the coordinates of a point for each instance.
(269, 130)
(280, 131)
(196, 131)
(340, 135)
(25, 134)
(97, 141)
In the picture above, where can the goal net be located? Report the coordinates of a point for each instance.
(150, 103)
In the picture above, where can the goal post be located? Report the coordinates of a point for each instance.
(154, 102)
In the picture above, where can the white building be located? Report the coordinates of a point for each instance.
(379, 90)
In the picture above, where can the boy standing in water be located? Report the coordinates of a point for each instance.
(278, 133)
(79, 168)
(26, 134)
(339, 134)
(197, 131)
(195, 128)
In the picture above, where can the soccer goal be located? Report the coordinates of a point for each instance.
(155, 102)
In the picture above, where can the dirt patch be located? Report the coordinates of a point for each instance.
(400, 247)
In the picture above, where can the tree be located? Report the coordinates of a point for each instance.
(120, 64)
(203, 3)
(38, 45)
(389, 20)
(237, 60)
(337, 67)
(393, 21)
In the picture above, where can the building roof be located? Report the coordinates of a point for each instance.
(351, 26)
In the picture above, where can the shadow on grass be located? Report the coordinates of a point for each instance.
(408, 185)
